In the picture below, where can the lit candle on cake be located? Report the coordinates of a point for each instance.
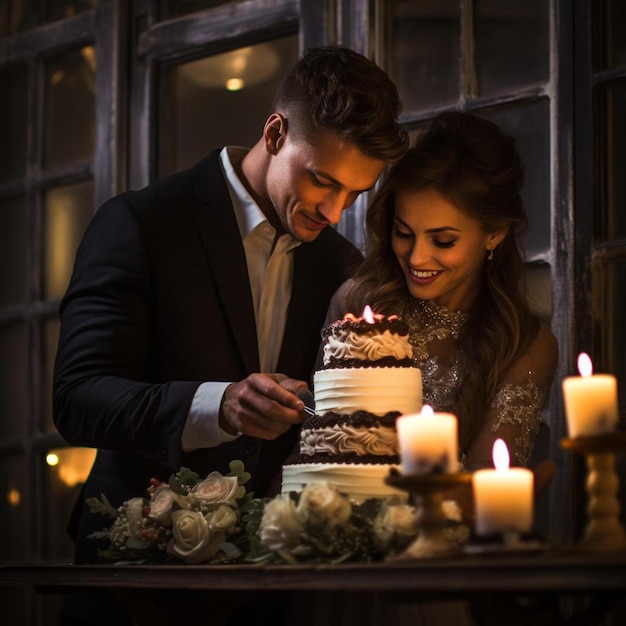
(428, 442)
(503, 497)
(590, 401)
(368, 314)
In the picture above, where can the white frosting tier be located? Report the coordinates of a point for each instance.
(377, 390)
(359, 482)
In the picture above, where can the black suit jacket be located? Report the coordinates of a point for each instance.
(159, 302)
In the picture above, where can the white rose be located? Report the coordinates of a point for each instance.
(192, 538)
(133, 509)
(280, 527)
(223, 518)
(396, 522)
(322, 505)
(216, 489)
(162, 502)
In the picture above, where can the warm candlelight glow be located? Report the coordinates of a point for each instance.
(368, 314)
(428, 442)
(585, 366)
(590, 401)
(500, 454)
(427, 411)
(503, 496)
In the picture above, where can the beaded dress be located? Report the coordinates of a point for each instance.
(515, 412)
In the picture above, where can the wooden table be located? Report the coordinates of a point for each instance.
(551, 581)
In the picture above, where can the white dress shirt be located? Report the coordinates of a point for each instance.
(270, 270)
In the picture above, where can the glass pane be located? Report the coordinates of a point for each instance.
(512, 44)
(612, 325)
(609, 18)
(70, 108)
(58, 9)
(51, 340)
(611, 187)
(539, 290)
(15, 602)
(423, 55)
(14, 404)
(18, 15)
(13, 508)
(530, 125)
(176, 8)
(13, 110)
(201, 113)
(67, 211)
(13, 252)
(64, 474)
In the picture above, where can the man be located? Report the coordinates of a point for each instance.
(194, 311)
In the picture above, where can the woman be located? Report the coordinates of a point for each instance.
(443, 253)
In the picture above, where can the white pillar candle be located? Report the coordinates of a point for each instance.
(503, 497)
(428, 442)
(590, 400)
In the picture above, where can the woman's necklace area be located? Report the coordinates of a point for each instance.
(436, 318)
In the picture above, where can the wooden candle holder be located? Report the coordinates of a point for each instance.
(426, 492)
(604, 531)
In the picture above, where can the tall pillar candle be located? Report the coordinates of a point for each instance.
(590, 401)
(428, 442)
(503, 497)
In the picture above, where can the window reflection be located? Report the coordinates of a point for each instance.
(608, 20)
(512, 44)
(59, 9)
(50, 342)
(19, 15)
(610, 204)
(13, 247)
(67, 211)
(539, 290)
(65, 471)
(176, 8)
(14, 497)
(13, 83)
(202, 114)
(14, 397)
(424, 51)
(70, 108)
(613, 323)
(529, 124)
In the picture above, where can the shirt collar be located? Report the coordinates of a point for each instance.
(247, 211)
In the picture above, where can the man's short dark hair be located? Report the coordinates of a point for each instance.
(335, 88)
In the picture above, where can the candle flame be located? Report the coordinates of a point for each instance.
(500, 455)
(368, 314)
(427, 411)
(585, 367)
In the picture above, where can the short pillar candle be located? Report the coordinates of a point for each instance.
(503, 497)
(590, 401)
(428, 442)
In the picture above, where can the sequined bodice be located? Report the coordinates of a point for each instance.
(433, 333)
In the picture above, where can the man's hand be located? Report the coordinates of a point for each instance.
(262, 405)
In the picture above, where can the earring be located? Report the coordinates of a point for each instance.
(490, 255)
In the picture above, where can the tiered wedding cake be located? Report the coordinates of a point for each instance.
(368, 379)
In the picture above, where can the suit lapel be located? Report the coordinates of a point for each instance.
(226, 256)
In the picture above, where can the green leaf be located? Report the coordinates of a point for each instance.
(102, 506)
(185, 476)
(231, 550)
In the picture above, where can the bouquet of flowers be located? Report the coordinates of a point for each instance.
(186, 518)
(214, 520)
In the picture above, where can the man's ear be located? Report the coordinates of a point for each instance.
(274, 132)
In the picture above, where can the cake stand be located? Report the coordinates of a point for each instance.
(604, 531)
(427, 493)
